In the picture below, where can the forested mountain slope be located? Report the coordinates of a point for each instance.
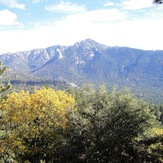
(91, 62)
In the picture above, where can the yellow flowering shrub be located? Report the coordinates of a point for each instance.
(33, 118)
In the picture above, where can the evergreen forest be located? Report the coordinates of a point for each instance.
(49, 124)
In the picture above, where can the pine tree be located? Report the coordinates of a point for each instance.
(4, 86)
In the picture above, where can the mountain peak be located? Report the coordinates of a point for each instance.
(90, 43)
(91, 62)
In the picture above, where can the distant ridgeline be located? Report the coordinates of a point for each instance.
(91, 62)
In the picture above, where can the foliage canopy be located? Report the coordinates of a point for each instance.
(106, 125)
(87, 126)
(33, 121)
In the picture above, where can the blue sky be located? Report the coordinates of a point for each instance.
(30, 24)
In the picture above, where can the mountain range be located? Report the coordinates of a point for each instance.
(91, 62)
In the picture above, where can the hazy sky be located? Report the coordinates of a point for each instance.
(29, 24)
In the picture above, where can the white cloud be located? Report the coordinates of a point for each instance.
(108, 26)
(66, 7)
(36, 1)
(13, 4)
(109, 4)
(105, 15)
(137, 4)
(7, 18)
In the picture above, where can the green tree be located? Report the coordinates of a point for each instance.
(3, 86)
(3, 91)
(105, 127)
(161, 115)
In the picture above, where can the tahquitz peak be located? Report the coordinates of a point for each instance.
(91, 62)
